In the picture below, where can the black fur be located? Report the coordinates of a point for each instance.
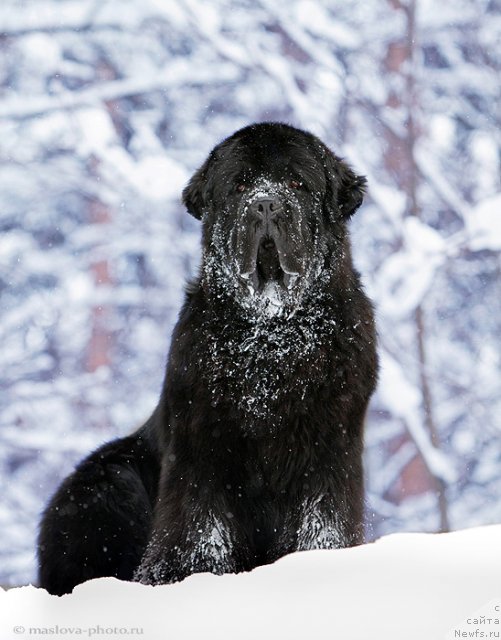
(255, 448)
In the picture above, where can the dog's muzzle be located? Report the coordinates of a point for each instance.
(267, 245)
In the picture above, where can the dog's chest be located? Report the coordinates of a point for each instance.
(266, 368)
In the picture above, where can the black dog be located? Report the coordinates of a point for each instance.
(255, 448)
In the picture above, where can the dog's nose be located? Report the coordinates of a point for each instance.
(266, 208)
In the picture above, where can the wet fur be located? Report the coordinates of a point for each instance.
(255, 448)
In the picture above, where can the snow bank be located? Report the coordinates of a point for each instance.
(411, 586)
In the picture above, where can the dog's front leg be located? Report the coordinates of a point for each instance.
(324, 522)
(319, 520)
(194, 530)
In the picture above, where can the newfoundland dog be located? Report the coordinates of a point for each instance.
(255, 448)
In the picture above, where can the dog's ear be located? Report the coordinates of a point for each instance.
(351, 191)
(345, 189)
(194, 194)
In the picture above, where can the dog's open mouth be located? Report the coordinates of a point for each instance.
(268, 267)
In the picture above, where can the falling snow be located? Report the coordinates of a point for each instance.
(106, 111)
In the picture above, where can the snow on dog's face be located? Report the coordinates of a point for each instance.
(272, 200)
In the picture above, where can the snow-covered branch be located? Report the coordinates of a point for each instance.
(171, 77)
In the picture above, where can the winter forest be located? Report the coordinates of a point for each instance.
(106, 108)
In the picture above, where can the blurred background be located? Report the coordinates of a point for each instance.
(106, 108)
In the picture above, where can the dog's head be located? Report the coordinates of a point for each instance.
(274, 201)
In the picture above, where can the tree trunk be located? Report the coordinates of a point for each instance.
(401, 161)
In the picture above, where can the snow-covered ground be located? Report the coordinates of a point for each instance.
(404, 586)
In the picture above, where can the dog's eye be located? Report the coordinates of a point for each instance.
(240, 188)
(294, 184)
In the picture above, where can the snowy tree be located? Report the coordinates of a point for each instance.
(436, 284)
(106, 109)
